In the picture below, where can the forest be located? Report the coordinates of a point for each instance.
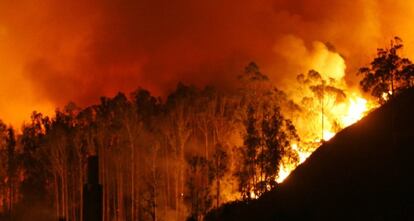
(178, 157)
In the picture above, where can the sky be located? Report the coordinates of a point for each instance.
(53, 52)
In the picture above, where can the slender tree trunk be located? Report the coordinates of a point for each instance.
(105, 184)
(322, 112)
(132, 147)
(120, 195)
(182, 182)
(167, 159)
(81, 171)
(10, 196)
(62, 194)
(154, 178)
(177, 196)
(66, 194)
(137, 191)
(56, 187)
(217, 183)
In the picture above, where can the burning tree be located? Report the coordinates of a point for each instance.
(266, 141)
(165, 160)
(267, 137)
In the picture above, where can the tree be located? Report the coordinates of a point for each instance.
(198, 196)
(179, 125)
(3, 168)
(11, 167)
(388, 73)
(35, 162)
(267, 140)
(218, 168)
(247, 171)
(320, 96)
(278, 135)
(152, 184)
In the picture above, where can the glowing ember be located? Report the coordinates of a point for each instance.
(253, 195)
(386, 96)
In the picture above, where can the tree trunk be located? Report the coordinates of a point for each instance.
(81, 189)
(62, 194)
(177, 196)
(154, 178)
(182, 182)
(167, 159)
(217, 183)
(66, 194)
(56, 185)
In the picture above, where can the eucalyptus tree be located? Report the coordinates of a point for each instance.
(388, 73)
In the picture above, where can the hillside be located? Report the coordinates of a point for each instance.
(364, 173)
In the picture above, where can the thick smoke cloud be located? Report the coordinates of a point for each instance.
(52, 52)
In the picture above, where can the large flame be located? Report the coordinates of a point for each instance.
(355, 108)
(322, 116)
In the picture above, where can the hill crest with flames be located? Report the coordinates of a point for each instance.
(364, 172)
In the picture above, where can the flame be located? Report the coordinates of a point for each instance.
(356, 110)
(327, 135)
(303, 155)
(253, 195)
(287, 167)
(386, 95)
(284, 172)
(353, 109)
(322, 117)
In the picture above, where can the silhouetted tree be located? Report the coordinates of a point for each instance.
(12, 165)
(198, 196)
(3, 168)
(247, 171)
(218, 168)
(388, 73)
(34, 160)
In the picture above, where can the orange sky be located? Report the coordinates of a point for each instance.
(52, 52)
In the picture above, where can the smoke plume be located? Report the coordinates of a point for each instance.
(52, 52)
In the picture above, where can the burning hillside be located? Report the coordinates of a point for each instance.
(167, 150)
(363, 173)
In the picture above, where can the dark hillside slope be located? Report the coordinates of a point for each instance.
(366, 172)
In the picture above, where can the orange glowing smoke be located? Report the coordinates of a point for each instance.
(322, 116)
(58, 51)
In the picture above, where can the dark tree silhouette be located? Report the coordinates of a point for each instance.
(198, 196)
(247, 173)
(218, 168)
(278, 134)
(266, 141)
(11, 167)
(388, 73)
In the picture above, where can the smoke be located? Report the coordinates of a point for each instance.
(318, 57)
(52, 52)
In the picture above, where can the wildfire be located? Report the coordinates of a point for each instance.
(284, 172)
(327, 135)
(357, 108)
(348, 112)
